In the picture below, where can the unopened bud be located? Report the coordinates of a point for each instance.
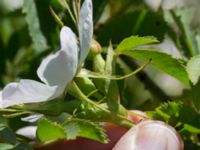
(95, 47)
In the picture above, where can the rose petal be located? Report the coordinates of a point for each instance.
(27, 91)
(85, 29)
(60, 68)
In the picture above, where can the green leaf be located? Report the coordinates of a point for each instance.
(85, 128)
(49, 131)
(32, 19)
(162, 61)
(134, 41)
(5, 146)
(6, 134)
(193, 69)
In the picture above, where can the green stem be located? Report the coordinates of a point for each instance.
(144, 78)
(109, 116)
(132, 73)
(52, 108)
(97, 75)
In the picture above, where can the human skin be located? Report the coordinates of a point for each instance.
(151, 135)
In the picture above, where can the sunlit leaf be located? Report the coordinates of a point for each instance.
(49, 131)
(134, 41)
(193, 69)
(85, 128)
(162, 61)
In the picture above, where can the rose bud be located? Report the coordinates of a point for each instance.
(151, 135)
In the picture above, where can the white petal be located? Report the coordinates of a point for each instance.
(60, 68)
(28, 91)
(32, 118)
(29, 131)
(85, 29)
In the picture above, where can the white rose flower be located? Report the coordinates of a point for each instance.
(56, 70)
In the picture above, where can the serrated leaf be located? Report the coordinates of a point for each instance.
(178, 114)
(162, 61)
(134, 41)
(193, 69)
(49, 131)
(6, 134)
(85, 128)
(32, 19)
